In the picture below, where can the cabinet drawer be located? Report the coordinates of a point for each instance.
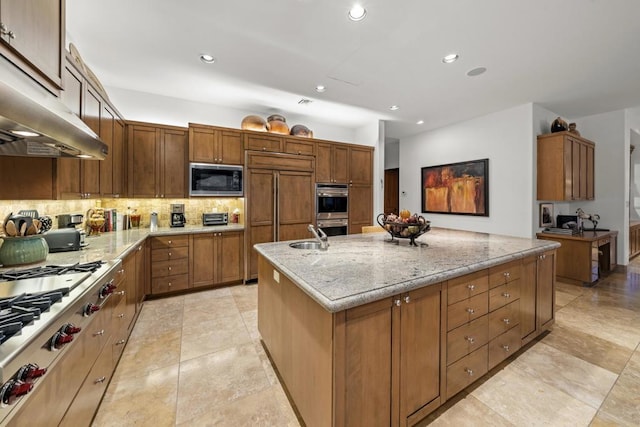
(467, 286)
(466, 370)
(169, 284)
(503, 295)
(505, 273)
(169, 268)
(179, 252)
(467, 310)
(504, 346)
(467, 338)
(299, 147)
(262, 143)
(504, 319)
(161, 242)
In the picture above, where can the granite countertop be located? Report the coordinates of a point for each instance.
(362, 268)
(117, 244)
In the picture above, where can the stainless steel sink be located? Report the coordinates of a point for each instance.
(307, 244)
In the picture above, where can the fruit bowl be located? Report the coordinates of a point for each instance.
(404, 228)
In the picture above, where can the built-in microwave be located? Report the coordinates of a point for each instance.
(207, 179)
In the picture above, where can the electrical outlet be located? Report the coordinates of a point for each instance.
(276, 276)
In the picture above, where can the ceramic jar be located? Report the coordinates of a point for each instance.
(23, 250)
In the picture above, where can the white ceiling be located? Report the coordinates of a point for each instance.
(574, 57)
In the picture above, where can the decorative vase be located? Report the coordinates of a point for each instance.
(277, 124)
(559, 125)
(573, 130)
(256, 123)
(23, 250)
(301, 130)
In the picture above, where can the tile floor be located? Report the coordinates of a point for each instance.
(197, 360)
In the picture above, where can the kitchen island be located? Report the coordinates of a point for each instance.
(377, 333)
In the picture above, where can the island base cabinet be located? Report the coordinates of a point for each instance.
(466, 370)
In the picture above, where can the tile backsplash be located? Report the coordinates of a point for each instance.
(194, 208)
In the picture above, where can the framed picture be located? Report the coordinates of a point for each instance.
(546, 214)
(457, 188)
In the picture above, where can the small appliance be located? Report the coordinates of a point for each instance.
(65, 239)
(215, 180)
(177, 215)
(69, 220)
(215, 218)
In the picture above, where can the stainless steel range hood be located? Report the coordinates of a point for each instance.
(60, 133)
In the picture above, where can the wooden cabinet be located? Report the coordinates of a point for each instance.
(634, 239)
(216, 258)
(169, 263)
(565, 167)
(299, 146)
(360, 207)
(27, 178)
(260, 141)
(209, 144)
(332, 163)
(32, 38)
(112, 168)
(584, 258)
(537, 295)
(360, 165)
(272, 214)
(156, 160)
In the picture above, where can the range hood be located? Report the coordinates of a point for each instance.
(35, 123)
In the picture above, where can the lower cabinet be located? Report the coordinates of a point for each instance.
(392, 362)
(217, 258)
(169, 263)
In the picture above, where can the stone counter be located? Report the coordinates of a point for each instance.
(362, 268)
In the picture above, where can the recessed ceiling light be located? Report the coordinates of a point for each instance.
(476, 71)
(24, 133)
(394, 107)
(419, 122)
(453, 57)
(357, 13)
(207, 59)
(320, 88)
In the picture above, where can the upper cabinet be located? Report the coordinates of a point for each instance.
(360, 165)
(157, 158)
(565, 167)
(32, 38)
(211, 144)
(332, 163)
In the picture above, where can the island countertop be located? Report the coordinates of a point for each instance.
(361, 268)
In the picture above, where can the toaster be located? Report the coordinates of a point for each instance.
(64, 239)
(215, 218)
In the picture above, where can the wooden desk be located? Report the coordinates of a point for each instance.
(582, 258)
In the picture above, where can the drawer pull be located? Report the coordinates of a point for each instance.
(120, 342)
(506, 320)
(506, 294)
(470, 310)
(470, 339)
(169, 268)
(507, 274)
(398, 302)
(506, 348)
(407, 299)
(469, 371)
(121, 315)
(471, 287)
(169, 241)
(169, 284)
(169, 254)
(100, 380)
(99, 333)
(119, 293)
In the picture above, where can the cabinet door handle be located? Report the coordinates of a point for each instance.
(470, 339)
(398, 303)
(470, 310)
(101, 332)
(169, 268)
(469, 371)
(407, 300)
(169, 254)
(120, 342)
(169, 284)
(100, 380)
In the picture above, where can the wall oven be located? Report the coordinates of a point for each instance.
(215, 180)
(332, 208)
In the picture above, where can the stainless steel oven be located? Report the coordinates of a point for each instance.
(332, 208)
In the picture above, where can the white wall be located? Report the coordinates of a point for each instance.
(391, 154)
(506, 138)
(152, 108)
(373, 135)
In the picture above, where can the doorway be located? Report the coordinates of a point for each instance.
(391, 191)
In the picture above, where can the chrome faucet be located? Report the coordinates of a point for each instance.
(320, 236)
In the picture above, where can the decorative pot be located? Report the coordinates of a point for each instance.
(277, 124)
(573, 130)
(301, 130)
(559, 125)
(23, 250)
(256, 123)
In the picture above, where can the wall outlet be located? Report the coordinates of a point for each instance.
(276, 276)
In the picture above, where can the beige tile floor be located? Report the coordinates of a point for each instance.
(196, 360)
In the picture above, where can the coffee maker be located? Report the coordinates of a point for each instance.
(177, 215)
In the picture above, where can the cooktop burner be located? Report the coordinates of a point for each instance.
(50, 270)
